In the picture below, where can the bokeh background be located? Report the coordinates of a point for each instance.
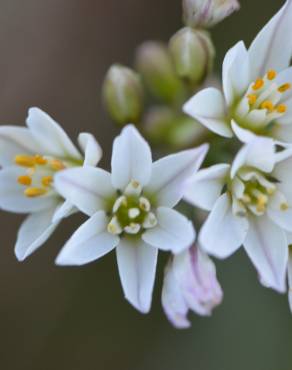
(54, 54)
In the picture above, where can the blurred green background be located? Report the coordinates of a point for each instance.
(54, 54)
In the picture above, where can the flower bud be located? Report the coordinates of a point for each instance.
(123, 94)
(207, 13)
(190, 283)
(193, 54)
(154, 63)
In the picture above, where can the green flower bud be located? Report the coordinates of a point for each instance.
(154, 63)
(123, 94)
(193, 54)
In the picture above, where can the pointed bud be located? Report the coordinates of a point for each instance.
(190, 283)
(193, 54)
(123, 94)
(154, 63)
(207, 13)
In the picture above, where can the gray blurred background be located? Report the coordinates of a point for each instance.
(54, 54)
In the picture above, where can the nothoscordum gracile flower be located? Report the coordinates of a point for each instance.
(30, 158)
(257, 86)
(130, 210)
(251, 205)
(190, 283)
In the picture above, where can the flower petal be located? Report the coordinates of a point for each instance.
(51, 137)
(131, 159)
(290, 278)
(86, 187)
(34, 232)
(223, 233)
(272, 48)
(137, 268)
(174, 231)
(267, 247)
(245, 136)
(208, 107)
(91, 149)
(206, 186)
(281, 217)
(169, 175)
(65, 209)
(90, 242)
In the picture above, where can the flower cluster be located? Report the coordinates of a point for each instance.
(132, 208)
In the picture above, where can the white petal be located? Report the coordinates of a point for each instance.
(223, 233)
(91, 149)
(236, 73)
(283, 173)
(34, 232)
(174, 231)
(12, 196)
(90, 242)
(16, 140)
(51, 137)
(290, 278)
(283, 132)
(272, 48)
(245, 136)
(169, 175)
(206, 186)
(267, 247)
(131, 159)
(137, 268)
(208, 107)
(64, 210)
(281, 217)
(88, 188)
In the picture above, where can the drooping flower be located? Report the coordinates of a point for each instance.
(30, 158)
(130, 210)
(190, 283)
(251, 205)
(256, 84)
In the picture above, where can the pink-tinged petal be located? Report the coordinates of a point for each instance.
(87, 188)
(267, 247)
(34, 232)
(245, 136)
(290, 278)
(91, 149)
(236, 73)
(131, 159)
(223, 233)
(89, 243)
(137, 268)
(169, 175)
(206, 186)
(272, 48)
(50, 135)
(16, 140)
(208, 107)
(12, 196)
(174, 231)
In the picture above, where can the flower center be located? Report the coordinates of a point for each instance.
(131, 212)
(39, 173)
(263, 103)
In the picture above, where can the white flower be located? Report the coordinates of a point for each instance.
(190, 283)
(251, 205)
(30, 158)
(130, 210)
(257, 86)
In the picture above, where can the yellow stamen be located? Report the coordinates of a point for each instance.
(271, 74)
(246, 198)
(282, 108)
(24, 160)
(34, 192)
(284, 88)
(267, 104)
(47, 180)
(284, 206)
(24, 180)
(40, 160)
(252, 98)
(258, 84)
(57, 165)
(262, 201)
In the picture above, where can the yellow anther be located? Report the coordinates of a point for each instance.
(271, 191)
(246, 198)
(47, 180)
(271, 74)
(258, 84)
(135, 184)
(252, 98)
(282, 108)
(24, 180)
(284, 88)
(267, 104)
(111, 229)
(40, 160)
(24, 160)
(34, 192)
(284, 206)
(262, 201)
(57, 165)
